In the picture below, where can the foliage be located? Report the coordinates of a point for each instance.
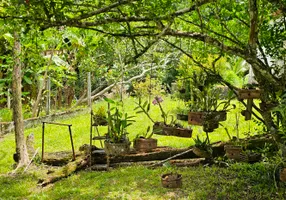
(203, 144)
(145, 108)
(5, 115)
(100, 112)
(280, 112)
(117, 122)
(145, 134)
(148, 87)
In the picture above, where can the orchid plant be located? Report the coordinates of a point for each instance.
(145, 108)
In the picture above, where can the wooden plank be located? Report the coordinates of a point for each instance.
(249, 93)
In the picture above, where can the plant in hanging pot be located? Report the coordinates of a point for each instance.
(249, 91)
(167, 127)
(202, 148)
(144, 143)
(182, 111)
(117, 142)
(207, 111)
(99, 117)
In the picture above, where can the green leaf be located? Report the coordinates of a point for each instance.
(27, 80)
(145, 104)
(148, 107)
(140, 111)
(109, 100)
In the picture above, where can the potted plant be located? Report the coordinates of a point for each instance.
(202, 148)
(171, 180)
(182, 113)
(249, 91)
(167, 126)
(144, 142)
(117, 142)
(99, 116)
(207, 111)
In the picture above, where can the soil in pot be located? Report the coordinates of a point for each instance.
(171, 180)
(116, 149)
(144, 144)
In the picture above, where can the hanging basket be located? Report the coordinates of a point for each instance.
(99, 121)
(195, 118)
(161, 129)
(145, 144)
(249, 93)
(210, 126)
(171, 180)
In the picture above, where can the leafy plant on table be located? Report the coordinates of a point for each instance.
(117, 122)
(147, 134)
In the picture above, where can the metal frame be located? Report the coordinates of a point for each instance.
(59, 124)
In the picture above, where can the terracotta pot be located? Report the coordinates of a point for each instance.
(201, 153)
(145, 144)
(235, 152)
(195, 118)
(171, 180)
(116, 149)
(249, 94)
(161, 129)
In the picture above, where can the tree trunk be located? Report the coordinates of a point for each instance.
(39, 96)
(21, 149)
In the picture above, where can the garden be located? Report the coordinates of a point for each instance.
(142, 99)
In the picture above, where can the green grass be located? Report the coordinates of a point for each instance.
(57, 137)
(236, 182)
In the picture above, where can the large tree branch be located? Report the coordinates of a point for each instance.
(102, 92)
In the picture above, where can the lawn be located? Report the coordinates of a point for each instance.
(239, 180)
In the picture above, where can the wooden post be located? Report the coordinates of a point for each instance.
(43, 140)
(48, 103)
(89, 90)
(248, 109)
(8, 99)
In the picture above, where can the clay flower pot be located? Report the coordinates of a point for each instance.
(171, 180)
(145, 144)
